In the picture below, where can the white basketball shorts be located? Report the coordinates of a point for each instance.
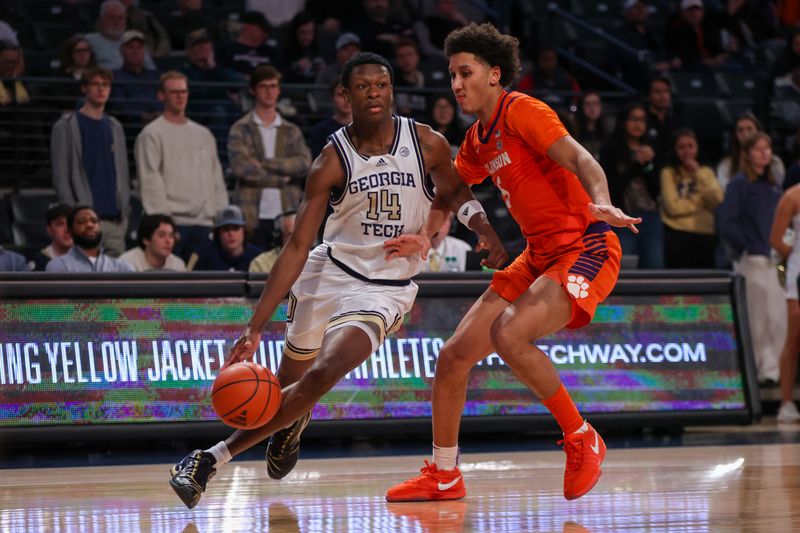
(325, 298)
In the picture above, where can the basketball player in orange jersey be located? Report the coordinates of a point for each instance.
(378, 175)
(558, 194)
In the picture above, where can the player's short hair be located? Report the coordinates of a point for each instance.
(96, 72)
(170, 75)
(489, 45)
(149, 224)
(364, 58)
(74, 213)
(264, 72)
(57, 211)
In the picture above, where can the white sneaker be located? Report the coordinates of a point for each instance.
(788, 413)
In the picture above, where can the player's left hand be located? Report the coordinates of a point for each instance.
(406, 246)
(614, 216)
(244, 348)
(489, 240)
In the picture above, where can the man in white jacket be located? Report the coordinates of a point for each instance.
(179, 170)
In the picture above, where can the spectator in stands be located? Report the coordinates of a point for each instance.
(447, 254)
(108, 37)
(156, 37)
(212, 106)
(253, 46)
(90, 161)
(661, 120)
(7, 33)
(407, 77)
(444, 120)
(342, 115)
(179, 171)
(284, 224)
(693, 38)
(743, 24)
(550, 82)
(591, 124)
(155, 240)
(745, 220)
(229, 251)
(76, 56)
(689, 195)
(347, 45)
(636, 33)
(790, 57)
(277, 12)
(633, 184)
(746, 125)
(188, 18)
(435, 27)
(788, 212)
(379, 32)
(789, 12)
(786, 101)
(135, 87)
(269, 158)
(304, 59)
(12, 261)
(60, 237)
(86, 255)
(13, 91)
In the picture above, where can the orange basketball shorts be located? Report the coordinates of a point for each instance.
(587, 271)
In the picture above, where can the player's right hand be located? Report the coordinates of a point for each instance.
(406, 246)
(489, 240)
(244, 348)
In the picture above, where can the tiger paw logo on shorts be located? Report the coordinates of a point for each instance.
(577, 286)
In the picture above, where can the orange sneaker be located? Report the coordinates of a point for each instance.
(585, 452)
(431, 484)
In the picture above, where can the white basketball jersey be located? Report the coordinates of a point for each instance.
(385, 196)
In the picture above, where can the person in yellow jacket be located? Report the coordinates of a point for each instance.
(689, 194)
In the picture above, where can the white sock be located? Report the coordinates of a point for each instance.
(220, 453)
(445, 458)
(584, 428)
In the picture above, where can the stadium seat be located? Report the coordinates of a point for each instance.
(30, 234)
(41, 63)
(739, 86)
(133, 221)
(31, 208)
(694, 84)
(52, 35)
(5, 223)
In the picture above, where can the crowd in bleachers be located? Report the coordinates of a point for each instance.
(146, 135)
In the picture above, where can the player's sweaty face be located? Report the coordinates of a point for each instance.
(469, 80)
(370, 91)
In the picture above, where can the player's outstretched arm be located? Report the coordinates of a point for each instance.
(458, 196)
(325, 174)
(568, 153)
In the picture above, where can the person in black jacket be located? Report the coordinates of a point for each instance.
(633, 184)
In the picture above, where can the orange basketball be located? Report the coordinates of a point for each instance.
(246, 395)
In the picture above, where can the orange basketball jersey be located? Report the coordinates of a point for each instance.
(547, 201)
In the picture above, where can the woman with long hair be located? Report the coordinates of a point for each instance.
(591, 124)
(689, 195)
(745, 222)
(633, 184)
(76, 56)
(444, 119)
(788, 212)
(746, 125)
(303, 57)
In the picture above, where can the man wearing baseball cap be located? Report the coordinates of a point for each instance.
(694, 39)
(134, 93)
(347, 45)
(229, 251)
(253, 47)
(636, 32)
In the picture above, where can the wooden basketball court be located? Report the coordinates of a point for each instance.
(684, 488)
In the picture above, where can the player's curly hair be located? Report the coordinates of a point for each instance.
(489, 45)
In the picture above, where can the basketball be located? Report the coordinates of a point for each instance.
(246, 395)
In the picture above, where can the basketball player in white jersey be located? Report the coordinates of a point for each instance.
(346, 296)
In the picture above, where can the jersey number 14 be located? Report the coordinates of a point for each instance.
(381, 202)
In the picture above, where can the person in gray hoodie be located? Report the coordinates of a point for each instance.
(90, 161)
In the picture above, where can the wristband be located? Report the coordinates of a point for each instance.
(468, 209)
